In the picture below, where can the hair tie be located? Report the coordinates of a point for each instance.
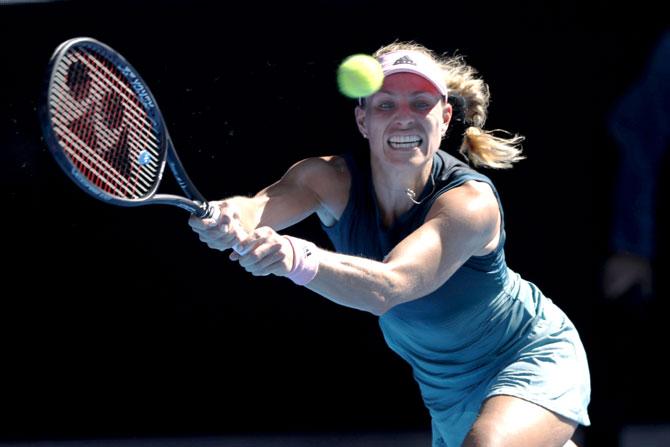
(453, 139)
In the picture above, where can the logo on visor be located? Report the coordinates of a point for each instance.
(404, 60)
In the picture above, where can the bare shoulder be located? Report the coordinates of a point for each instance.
(474, 206)
(320, 173)
(333, 167)
(470, 197)
(329, 178)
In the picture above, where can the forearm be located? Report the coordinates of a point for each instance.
(248, 210)
(265, 211)
(278, 206)
(350, 281)
(356, 282)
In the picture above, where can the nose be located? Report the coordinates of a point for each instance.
(404, 117)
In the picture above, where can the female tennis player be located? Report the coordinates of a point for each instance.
(419, 239)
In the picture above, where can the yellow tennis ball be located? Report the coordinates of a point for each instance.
(359, 76)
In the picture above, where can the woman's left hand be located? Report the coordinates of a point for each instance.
(264, 252)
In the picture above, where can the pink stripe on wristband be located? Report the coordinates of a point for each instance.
(305, 262)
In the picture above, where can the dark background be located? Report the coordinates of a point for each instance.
(119, 322)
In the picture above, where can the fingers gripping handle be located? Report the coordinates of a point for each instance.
(214, 213)
(305, 259)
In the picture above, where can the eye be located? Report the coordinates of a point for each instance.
(385, 105)
(424, 104)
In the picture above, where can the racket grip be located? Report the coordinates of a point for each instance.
(211, 212)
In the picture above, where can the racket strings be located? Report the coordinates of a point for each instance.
(107, 132)
(68, 118)
(79, 144)
(104, 128)
(104, 178)
(113, 109)
(106, 73)
(119, 156)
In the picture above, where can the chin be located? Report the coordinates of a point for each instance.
(415, 156)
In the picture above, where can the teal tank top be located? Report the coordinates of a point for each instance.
(458, 338)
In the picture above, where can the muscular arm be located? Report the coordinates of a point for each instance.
(309, 186)
(463, 222)
(460, 224)
(314, 185)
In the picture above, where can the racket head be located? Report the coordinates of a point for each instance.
(102, 124)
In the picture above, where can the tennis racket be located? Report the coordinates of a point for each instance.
(105, 130)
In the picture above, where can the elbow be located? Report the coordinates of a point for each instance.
(374, 302)
(379, 308)
(391, 293)
(385, 303)
(398, 285)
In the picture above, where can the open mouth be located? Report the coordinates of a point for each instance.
(405, 141)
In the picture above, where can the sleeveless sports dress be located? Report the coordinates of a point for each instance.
(484, 332)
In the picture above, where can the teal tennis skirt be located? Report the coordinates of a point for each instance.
(551, 371)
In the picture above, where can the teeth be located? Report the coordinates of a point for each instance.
(405, 139)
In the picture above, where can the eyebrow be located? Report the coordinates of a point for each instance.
(415, 93)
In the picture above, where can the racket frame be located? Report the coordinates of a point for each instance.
(194, 202)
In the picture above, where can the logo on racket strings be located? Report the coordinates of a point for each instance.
(144, 157)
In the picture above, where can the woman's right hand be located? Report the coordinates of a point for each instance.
(223, 230)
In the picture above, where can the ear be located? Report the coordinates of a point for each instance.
(446, 117)
(447, 111)
(359, 112)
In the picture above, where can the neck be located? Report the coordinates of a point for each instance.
(392, 185)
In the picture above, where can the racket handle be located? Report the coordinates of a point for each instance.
(211, 212)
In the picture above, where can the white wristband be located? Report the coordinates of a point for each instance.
(305, 261)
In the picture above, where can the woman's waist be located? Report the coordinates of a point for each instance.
(464, 336)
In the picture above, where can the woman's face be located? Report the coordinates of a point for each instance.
(404, 120)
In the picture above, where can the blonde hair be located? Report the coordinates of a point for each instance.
(480, 147)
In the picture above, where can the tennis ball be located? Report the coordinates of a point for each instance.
(359, 76)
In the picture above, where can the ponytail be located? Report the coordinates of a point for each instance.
(469, 98)
(484, 148)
